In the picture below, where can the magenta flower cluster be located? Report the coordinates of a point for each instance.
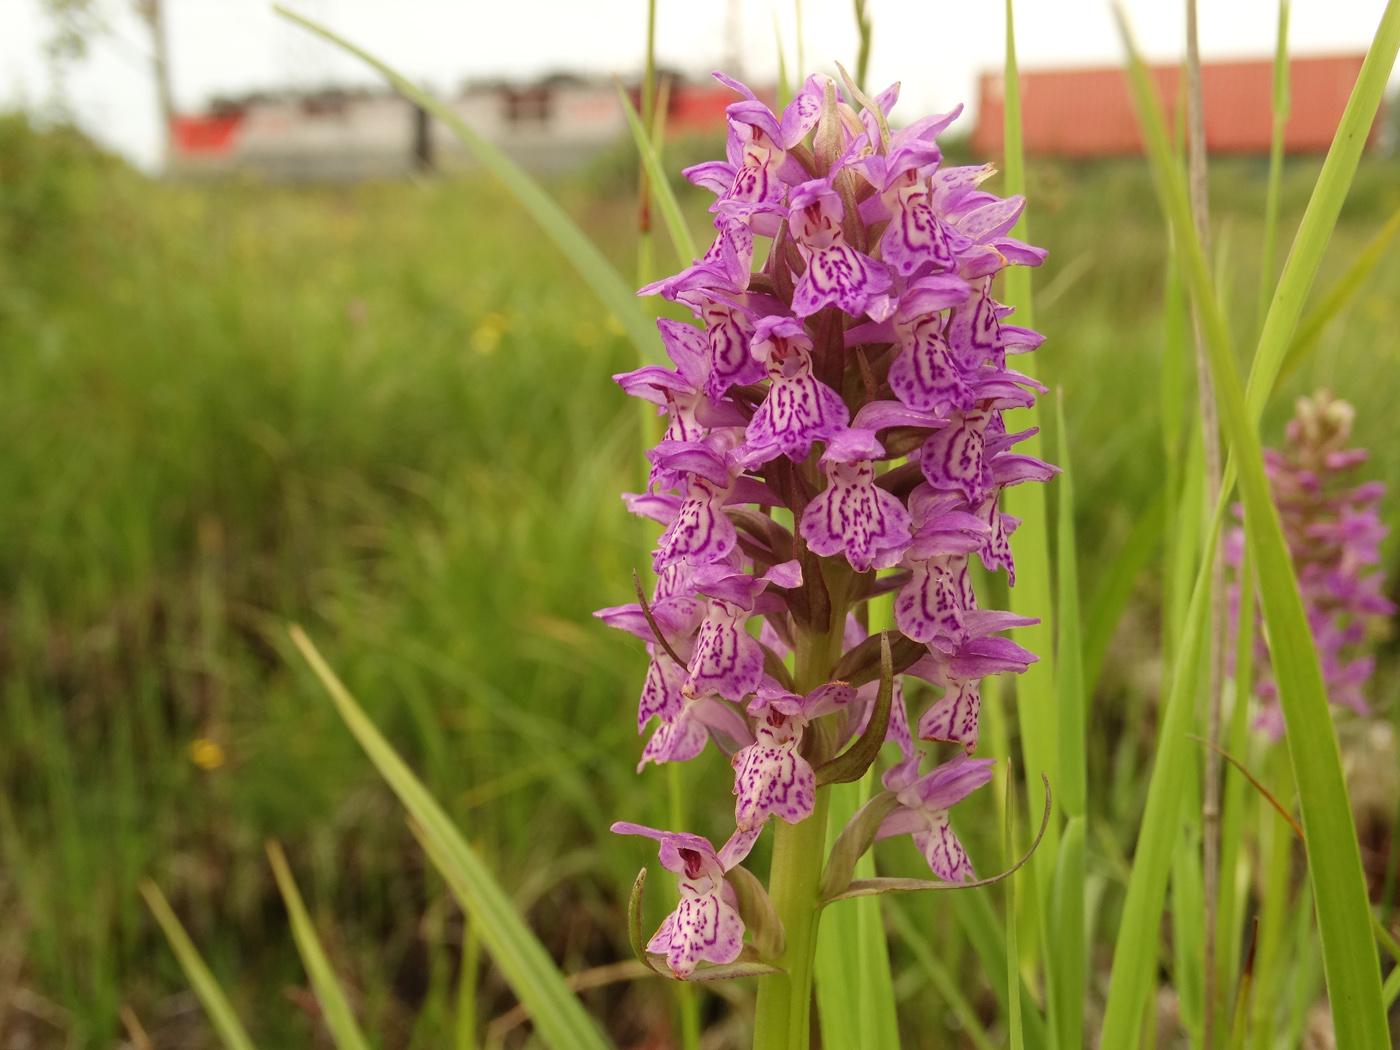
(1334, 531)
(835, 411)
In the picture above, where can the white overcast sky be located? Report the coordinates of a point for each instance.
(936, 47)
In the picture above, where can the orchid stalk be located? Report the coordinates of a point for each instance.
(836, 412)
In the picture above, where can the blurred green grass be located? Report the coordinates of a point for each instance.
(384, 411)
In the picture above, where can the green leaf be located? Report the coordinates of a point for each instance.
(1035, 690)
(982, 926)
(1281, 106)
(335, 1010)
(1321, 216)
(559, 1018)
(215, 1003)
(1066, 953)
(1334, 856)
(1135, 950)
(852, 764)
(854, 987)
(660, 184)
(1336, 298)
(609, 285)
(1008, 840)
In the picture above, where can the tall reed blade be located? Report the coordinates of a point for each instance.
(559, 1018)
(1066, 953)
(609, 285)
(1324, 206)
(659, 183)
(211, 996)
(1035, 690)
(335, 1009)
(1334, 857)
(1281, 106)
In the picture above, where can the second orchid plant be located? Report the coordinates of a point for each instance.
(836, 412)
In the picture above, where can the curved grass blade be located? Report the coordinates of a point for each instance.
(1311, 327)
(980, 924)
(211, 996)
(1281, 106)
(1324, 206)
(590, 263)
(660, 184)
(560, 1019)
(1334, 856)
(335, 1010)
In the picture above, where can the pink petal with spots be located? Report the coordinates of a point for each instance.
(925, 375)
(930, 606)
(954, 716)
(854, 516)
(952, 458)
(701, 534)
(839, 275)
(728, 661)
(797, 412)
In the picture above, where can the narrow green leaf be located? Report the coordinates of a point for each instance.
(1336, 298)
(660, 184)
(939, 977)
(1013, 951)
(982, 926)
(854, 987)
(211, 996)
(1115, 589)
(1334, 856)
(1066, 953)
(1188, 908)
(1321, 216)
(1035, 690)
(853, 763)
(1281, 105)
(335, 1010)
(559, 1018)
(1135, 951)
(591, 264)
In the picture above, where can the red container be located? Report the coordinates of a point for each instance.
(1088, 112)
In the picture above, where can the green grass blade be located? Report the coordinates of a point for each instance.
(559, 1018)
(1115, 590)
(335, 1010)
(660, 185)
(1281, 104)
(1336, 298)
(215, 1003)
(1334, 856)
(1013, 951)
(1066, 954)
(1321, 216)
(938, 976)
(1188, 907)
(1035, 690)
(983, 929)
(609, 285)
(855, 991)
(1135, 951)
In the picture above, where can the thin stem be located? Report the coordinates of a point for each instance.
(1281, 107)
(1210, 809)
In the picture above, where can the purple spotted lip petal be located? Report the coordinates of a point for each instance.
(770, 777)
(851, 516)
(728, 661)
(953, 717)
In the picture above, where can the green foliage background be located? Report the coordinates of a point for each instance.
(384, 411)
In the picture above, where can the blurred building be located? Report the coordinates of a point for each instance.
(550, 126)
(1084, 113)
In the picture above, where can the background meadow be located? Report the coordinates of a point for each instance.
(384, 412)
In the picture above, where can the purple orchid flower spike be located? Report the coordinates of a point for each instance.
(705, 925)
(771, 777)
(1333, 532)
(924, 802)
(863, 335)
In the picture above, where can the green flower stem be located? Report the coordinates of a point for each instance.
(782, 1020)
(783, 1013)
